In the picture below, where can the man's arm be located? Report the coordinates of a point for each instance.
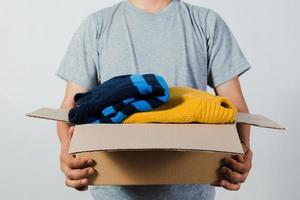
(236, 169)
(76, 170)
(232, 90)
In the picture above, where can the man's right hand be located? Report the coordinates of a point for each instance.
(76, 170)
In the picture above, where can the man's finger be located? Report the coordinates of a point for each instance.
(77, 184)
(239, 158)
(230, 186)
(216, 183)
(75, 162)
(248, 155)
(83, 188)
(232, 176)
(71, 131)
(238, 166)
(76, 174)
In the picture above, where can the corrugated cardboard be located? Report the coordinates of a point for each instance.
(155, 153)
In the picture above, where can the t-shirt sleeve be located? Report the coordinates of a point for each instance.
(80, 62)
(225, 58)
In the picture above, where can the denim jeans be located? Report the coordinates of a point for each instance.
(154, 192)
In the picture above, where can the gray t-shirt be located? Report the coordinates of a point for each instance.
(186, 44)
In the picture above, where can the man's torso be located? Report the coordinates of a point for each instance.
(170, 43)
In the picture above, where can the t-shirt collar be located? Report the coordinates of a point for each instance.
(142, 12)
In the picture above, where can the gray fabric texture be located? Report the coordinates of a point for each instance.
(187, 44)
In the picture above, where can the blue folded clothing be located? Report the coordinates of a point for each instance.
(119, 97)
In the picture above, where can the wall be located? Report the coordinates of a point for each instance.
(34, 37)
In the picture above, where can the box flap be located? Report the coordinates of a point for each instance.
(257, 120)
(50, 113)
(191, 137)
(252, 119)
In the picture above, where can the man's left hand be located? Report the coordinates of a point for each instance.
(235, 170)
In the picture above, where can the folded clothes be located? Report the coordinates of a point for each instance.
(188, 105)
(119, 97)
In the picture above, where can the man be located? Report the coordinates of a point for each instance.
(186, 44)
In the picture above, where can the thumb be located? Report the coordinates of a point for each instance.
(70, 132)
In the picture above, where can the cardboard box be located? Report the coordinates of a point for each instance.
(156, 153)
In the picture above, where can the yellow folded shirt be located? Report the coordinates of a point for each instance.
(188, 105)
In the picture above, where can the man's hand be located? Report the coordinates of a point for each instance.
(235, 170)
(76, 170)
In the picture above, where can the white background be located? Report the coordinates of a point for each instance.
(34, 37)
